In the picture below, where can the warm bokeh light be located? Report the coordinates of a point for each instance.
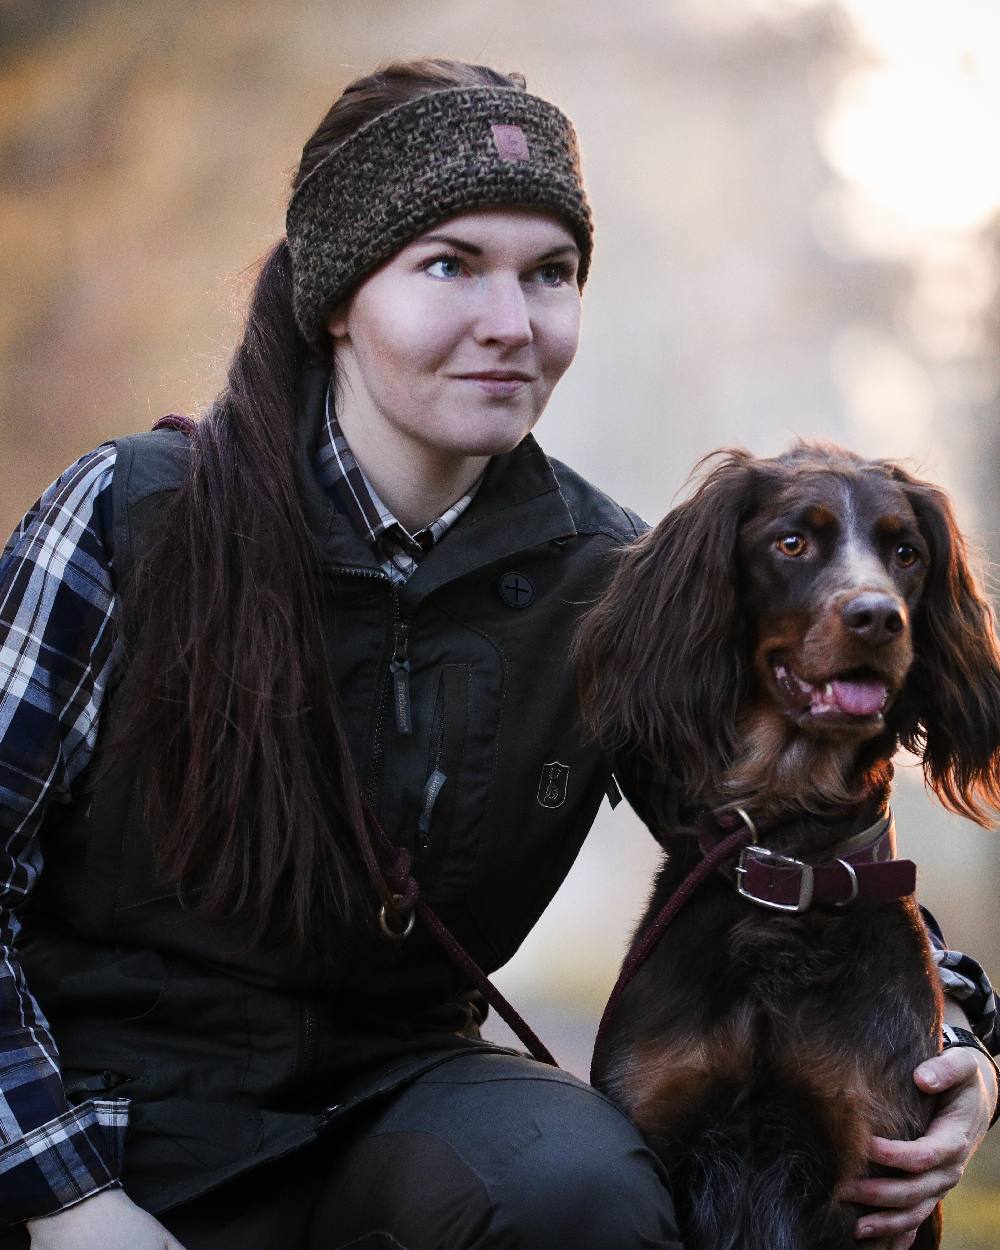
(909, 132)
(914, 127)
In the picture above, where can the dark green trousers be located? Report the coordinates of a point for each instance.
(487, 1151)
(484, 1152)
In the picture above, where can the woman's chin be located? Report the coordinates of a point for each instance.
(485, 444)
(494, 438)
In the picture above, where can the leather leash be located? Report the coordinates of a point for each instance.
(397, 865)
(865, 870)
(768, 879)
(653, 932)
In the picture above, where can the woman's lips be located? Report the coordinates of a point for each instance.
(498, 384)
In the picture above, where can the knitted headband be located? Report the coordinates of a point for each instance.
(444, 153)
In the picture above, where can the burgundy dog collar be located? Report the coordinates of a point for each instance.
(862, 869)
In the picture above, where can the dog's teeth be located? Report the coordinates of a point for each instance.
(828, 690)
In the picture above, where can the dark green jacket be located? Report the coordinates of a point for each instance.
(228, 1057)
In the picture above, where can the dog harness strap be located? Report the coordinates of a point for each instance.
(871, 845)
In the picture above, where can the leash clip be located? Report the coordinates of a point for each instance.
(396, 935)
(751, 827)
(806, 878)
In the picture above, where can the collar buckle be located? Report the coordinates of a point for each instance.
(760, 855)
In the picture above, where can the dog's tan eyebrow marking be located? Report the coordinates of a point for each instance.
(819, 516)
(890, 524)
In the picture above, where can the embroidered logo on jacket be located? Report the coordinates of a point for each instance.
(552, 784)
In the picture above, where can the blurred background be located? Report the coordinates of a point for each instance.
(798, 233)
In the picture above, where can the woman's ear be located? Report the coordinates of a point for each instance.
(951, 705)
(661, 653)
(336, 320)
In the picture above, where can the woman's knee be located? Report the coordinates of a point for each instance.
(590, 1183)
(520, 1156)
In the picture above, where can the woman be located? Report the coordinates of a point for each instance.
(339, 604)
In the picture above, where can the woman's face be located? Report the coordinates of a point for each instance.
(454, 345)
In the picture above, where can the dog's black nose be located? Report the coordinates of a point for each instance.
(875, 617)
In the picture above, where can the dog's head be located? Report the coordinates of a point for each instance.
(832, 564)
(812, 598)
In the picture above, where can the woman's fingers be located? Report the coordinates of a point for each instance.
(902, 1243)
(934, 1163)
(894, 1224)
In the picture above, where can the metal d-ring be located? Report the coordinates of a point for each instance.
(854, 884)
(396, 935)
(745, 817)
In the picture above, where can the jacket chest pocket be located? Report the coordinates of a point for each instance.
(440, 801)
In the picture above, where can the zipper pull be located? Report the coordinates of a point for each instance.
(434, 786)
(399, 667)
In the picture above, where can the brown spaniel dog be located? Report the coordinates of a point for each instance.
(757, 660)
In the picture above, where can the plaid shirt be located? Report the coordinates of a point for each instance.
(57, 653)
(342, 478)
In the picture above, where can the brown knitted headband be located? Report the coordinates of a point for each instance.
(395, 177)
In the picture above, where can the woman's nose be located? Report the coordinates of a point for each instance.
(503, 316)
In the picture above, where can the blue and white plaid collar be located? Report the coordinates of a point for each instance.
(343, 479)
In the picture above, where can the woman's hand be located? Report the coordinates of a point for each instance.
(109, 1220)
(966, 1084)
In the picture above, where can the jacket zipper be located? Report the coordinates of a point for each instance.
(399, 668)
(377, 745)
(310, 1040)
(399, 675)
(433, 787)
(435, 780)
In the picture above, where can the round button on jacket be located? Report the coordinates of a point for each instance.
(516, 590)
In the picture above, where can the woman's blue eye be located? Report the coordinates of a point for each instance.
(553, 275)
(445, 267)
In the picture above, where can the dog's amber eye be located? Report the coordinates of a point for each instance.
(792, 545)
(907, 555)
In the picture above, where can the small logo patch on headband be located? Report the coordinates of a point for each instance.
(512, 144)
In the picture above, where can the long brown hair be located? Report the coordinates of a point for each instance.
(250, 790)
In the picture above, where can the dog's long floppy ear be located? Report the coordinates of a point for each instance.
(951, 706)
(661, 653)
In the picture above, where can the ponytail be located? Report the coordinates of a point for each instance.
(249, 784)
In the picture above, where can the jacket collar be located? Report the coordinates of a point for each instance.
(518, 506)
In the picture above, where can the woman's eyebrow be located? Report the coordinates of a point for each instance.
(563, 249)
(458, 244)
(461, 245)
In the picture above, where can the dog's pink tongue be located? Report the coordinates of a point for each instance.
(859, 698)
